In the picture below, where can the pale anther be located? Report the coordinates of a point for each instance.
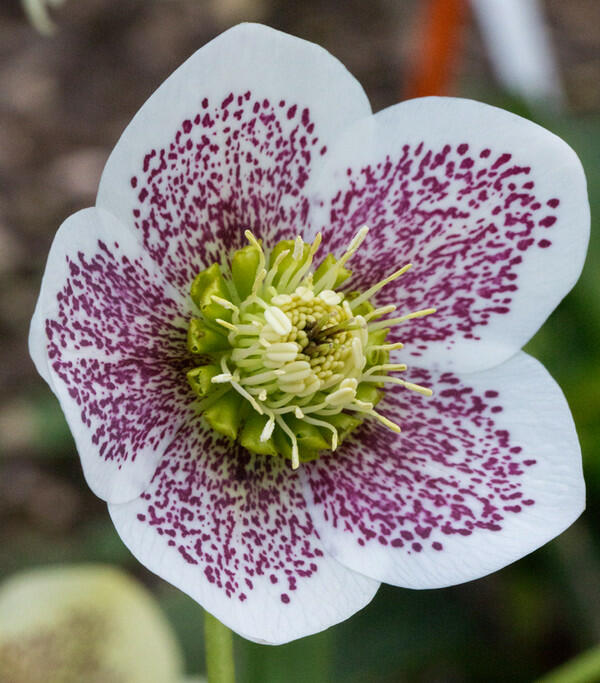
(396, 321)
(278, 320)
(268, 429)
(281, 299)
(298, 248)
(224, 302)
(222, 378)
(340, 397)
(282, 352)
(226, 324)
(354, 244)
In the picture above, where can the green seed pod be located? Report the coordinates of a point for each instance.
(206, 284)
(203, 339)
(251, 433)
(244, 264)
(200, 379)
(225, 414)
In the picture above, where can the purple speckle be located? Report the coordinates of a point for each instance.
(486, 201)
(391, 485)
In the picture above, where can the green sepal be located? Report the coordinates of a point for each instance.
(203, 339)
(200, 379)
(344, 424)
(206, 284)
(244, 265)
(225, 414)
(250, 435)
(369, 393)
(328, 262)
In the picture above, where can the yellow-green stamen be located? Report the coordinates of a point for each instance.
(291, 365)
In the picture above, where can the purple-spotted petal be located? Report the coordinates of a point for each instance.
(109, 336)
(228, 142)
(232, 530)
(484, 472)
(490, 209)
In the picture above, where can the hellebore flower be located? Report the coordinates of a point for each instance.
(66, 624)
(240, 408)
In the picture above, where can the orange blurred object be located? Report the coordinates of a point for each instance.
(438, 37)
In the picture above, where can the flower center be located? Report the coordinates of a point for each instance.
(290, 366)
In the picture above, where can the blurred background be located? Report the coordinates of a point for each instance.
(69, 85)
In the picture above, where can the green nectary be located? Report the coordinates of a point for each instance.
(287, 364)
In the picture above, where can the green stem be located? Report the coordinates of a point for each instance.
(582, 669)
(218, 643)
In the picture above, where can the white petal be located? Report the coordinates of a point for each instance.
(232, 531)
(109, 336)
(491, 210)
(228, 142)
(484, 472)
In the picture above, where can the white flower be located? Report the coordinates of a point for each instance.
(66, 624)
(262, 131)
